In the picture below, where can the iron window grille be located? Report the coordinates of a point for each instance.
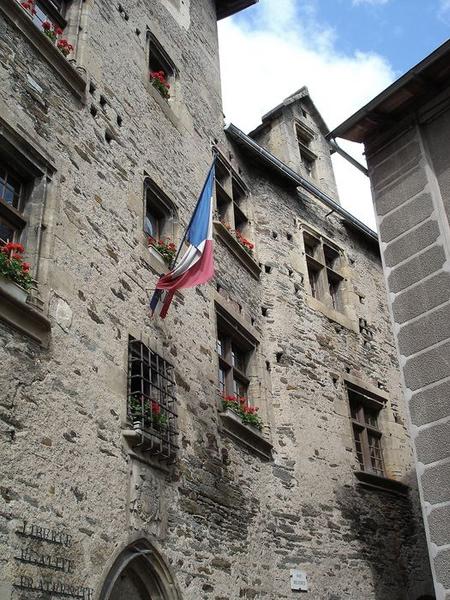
(152, 401)
(364, 411)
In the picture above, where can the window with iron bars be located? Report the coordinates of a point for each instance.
(151, 400)
(364, 411)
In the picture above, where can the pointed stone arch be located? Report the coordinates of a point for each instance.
(139, 572)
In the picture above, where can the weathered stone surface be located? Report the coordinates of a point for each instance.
(228, 524)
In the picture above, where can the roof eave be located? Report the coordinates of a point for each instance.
(226, 8)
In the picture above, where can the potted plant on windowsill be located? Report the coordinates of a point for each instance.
(15, 276)
(247, 414)
(146, 413)
(166, 249)
(158, 81)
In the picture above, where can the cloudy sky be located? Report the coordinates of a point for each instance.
(345, 51)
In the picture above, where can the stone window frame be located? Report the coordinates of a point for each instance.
(345, 316)
(324, 263)
(365, 408)
(165, 211)
(231, 424)
(158, 59)
(37, 172)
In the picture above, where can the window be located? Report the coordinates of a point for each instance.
(159, 60)
(12, 199)
(231, 198)
(160, 216)
(49, 10)
(323, 263)
(235, 352)
(151, 399)
(364, 411)
(305, 136)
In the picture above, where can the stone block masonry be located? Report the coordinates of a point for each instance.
(221, 522)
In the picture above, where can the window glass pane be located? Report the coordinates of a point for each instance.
(222, 381)
(376, 457)
(151, 225)
(358, 446)
(333, 287)
(6, 231)
(239, 388)
(238, 358)
(10, 187)
(371, 417)
(41, 15)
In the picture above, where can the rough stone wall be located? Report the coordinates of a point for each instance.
(228, 524)
(410, 179)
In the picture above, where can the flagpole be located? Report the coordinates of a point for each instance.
(174, 262)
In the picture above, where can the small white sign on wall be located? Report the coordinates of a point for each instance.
(299, 581)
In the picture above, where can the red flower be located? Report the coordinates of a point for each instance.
(26, 267)
(16, 256)
(156, 409)
(46, 25)
(58, 30)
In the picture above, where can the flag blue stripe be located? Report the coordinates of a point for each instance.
(198, 230)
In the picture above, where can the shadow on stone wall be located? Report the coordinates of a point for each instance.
(391, 540)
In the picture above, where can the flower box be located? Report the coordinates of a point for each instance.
(13, 289)
(246, 435)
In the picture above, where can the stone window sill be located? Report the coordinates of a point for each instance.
(157, 262)
(384, 484)
(139, 445)
(237, 250)
(15, 13)
(24, 318)
(163, 104)
(331, 314)
(250, 437)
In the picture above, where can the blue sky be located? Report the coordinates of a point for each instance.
(403, 31)
(345, 51)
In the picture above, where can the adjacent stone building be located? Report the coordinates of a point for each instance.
(406, 132)
(130, 467)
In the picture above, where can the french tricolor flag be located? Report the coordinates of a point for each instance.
(196, 266)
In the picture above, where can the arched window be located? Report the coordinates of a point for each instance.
(139, 573)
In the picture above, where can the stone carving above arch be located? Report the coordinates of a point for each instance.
(139, 572)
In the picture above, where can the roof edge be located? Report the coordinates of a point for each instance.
(298, 181)
(226, 8)
(344, 128)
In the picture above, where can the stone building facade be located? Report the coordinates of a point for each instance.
(407, 150)
(123, 474)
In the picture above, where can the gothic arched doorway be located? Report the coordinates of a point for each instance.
(139, 573)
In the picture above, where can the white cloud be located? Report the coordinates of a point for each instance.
(281, 51)
(444, 11)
